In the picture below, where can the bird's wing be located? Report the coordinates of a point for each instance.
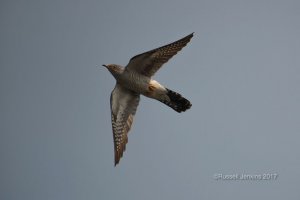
(123, 104)
(150, 62)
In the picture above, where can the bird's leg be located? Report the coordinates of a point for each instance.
(151, 88)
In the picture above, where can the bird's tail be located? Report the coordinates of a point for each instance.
(177, 102)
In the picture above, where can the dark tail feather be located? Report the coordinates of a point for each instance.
(177, 102)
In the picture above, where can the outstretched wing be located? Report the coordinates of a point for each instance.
(150, 62)
(123, 104)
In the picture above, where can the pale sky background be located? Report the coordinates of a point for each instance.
(241, 71)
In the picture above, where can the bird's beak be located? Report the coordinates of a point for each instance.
(104, 66)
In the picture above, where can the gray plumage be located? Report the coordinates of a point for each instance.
(136, 79)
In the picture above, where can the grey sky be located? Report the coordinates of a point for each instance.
(240, 71)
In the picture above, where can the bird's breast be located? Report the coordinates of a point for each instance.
(135, 82)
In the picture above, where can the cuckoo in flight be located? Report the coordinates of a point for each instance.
(136, 79)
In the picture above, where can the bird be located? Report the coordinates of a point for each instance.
(135, 80)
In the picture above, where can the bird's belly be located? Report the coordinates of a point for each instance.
(155, 90)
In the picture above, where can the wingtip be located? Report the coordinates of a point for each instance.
(190, 35)
(116, 162)
(117, 159)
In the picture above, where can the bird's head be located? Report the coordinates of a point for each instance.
(114, 69)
